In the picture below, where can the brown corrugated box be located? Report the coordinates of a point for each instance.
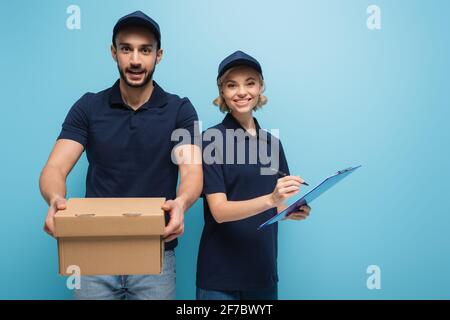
(111, 236)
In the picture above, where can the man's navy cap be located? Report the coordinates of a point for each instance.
(137, 18)
(238, 58)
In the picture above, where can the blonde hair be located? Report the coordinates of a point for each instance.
(220, 102)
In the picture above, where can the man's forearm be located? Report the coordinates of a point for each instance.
(52, 184)
(190, 188)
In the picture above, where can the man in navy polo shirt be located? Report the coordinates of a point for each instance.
(126, 132)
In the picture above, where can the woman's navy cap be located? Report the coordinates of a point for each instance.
(238, 58)
(137, 18)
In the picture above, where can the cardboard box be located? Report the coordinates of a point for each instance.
(111, 236)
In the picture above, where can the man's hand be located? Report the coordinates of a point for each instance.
(55, 205)
(301, 214)
(175, 228)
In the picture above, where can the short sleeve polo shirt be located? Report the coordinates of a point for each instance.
(235, 255)
(129, 152)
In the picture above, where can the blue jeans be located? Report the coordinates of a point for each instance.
(264, 294)
(132, 287)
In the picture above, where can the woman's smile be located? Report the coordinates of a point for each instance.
(242, 102)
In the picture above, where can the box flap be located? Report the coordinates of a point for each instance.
(110, 217)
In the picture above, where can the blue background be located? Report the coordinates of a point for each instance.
(340, 94)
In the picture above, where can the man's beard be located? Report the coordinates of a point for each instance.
(139, 85)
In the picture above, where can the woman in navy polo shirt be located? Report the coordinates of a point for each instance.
(236, 261)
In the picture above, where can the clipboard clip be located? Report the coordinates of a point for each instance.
(347, 170)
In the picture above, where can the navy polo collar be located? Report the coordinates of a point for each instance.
(157, 99)
(230, 122)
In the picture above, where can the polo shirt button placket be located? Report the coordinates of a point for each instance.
(133, 120)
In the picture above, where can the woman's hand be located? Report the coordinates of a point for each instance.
(286, 187)
(301, 214)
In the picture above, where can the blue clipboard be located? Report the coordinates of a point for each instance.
(310, 196)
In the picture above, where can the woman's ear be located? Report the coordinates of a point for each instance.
(263, 87)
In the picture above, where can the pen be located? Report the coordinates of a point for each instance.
(283, 174)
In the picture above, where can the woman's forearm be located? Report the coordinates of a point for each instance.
(226, 211)
(281, 207)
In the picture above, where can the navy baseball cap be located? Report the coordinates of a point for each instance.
(238, 58)
(138, 18)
